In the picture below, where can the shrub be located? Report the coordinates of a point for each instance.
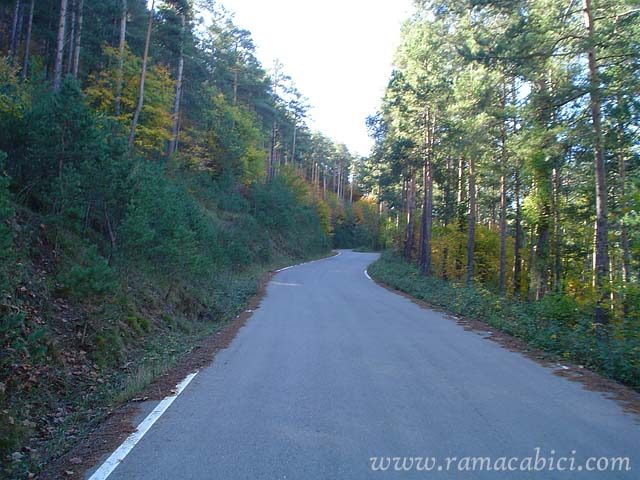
(90, 277)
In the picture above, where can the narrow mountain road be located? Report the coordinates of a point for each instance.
(333, 370)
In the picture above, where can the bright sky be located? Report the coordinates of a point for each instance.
(338, 53)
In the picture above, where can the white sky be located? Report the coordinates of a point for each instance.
(338, 53)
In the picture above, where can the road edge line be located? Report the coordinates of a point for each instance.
(111, 463)
(338, 253)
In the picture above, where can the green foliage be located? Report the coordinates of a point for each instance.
(557, 324)
(163, 228)
(139, 325)
(109, 347)
(286, 207)
(7, 234)
(233, 142)
(88, 277)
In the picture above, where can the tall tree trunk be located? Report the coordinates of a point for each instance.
(324, 183)
(18, 34)
(176, 103)
(121, 45)
(293, 145)
(76, 48)
(71, 39)
(539, 270)
(460, 214)
(602, 228)
(48, 69)
(143, 75)
(13, 39)
(540, 267)
(424, 258)
(624, 229)
(27, 42)
(532, 261)
(271, 173)
(57, 65)
(471, 243)
(235, 85)
(557, 263)
(503, 197)
(411, 205)
(517, 255)
(503, 234)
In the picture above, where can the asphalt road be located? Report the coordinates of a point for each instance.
(333, 370)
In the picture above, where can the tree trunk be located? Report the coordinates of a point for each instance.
(143, 74)
(472, 219)
(460, 214)
(176, 103)
(557, 263)
(540, 267)
(235, 86)
(76, 48)
(424, 261)
(602, 229)
(411, 204)
(13, 40)
(503, 198)
(542, 183)
(293, 146)
(271, 173)
(517, 256)
(324, 183)
(503, 234)
(424, 258)
(27, 42)
(121, 45)
(57, 65)
(624, 229)
(71, 40)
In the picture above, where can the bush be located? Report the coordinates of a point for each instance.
(7, 213)
(90, 276)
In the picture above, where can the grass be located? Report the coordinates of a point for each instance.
(556, 324)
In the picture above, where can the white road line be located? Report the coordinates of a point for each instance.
(123, 450)
(306, 263)
(366, 274)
